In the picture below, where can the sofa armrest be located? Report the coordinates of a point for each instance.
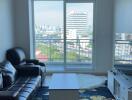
(28, 70)
(8, 95)
(42, 64)
(34, 61)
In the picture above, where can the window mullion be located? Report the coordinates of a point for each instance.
(64, 33)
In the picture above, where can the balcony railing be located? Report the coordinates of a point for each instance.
(123, 52)
(52, 50)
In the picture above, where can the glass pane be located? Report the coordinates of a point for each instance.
(123, 48)
(79, 32)
(49, 30)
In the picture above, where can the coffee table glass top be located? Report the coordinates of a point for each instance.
(64, 81)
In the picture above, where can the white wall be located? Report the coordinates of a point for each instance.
(22, 26)
(123, 16)
(6, 27)
(22, 38)
(103, 30)
(104, 35)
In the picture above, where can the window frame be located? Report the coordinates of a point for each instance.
(64, 24)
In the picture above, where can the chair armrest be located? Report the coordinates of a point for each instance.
(28, 70)
(8, 95)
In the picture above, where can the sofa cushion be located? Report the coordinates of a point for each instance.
(9, 73)
(25, 86)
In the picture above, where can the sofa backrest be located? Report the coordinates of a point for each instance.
(15, 55)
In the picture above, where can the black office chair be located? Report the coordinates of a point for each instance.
(18, 58)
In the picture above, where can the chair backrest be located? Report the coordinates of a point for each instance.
(15, 55)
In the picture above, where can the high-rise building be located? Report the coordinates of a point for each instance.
(77, 22)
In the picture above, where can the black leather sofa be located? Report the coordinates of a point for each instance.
(20, 83)
(17, 57)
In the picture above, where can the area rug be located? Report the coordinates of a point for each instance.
(100, 93)
(87, 81)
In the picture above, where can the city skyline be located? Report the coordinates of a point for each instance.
(51, 12)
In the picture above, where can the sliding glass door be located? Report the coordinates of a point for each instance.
(79, 33)
(64, 32)
(49, 35)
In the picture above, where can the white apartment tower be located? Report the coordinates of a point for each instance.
(76, 24)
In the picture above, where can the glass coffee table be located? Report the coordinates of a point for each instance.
(64, 87)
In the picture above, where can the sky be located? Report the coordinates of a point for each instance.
(51, 12)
